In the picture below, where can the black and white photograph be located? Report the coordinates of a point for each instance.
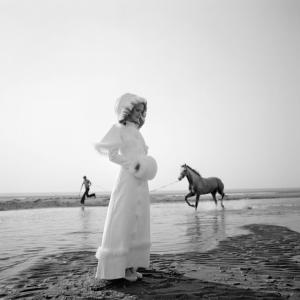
(150, 149)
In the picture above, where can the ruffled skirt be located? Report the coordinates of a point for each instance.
(126, 234)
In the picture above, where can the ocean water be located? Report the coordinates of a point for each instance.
(28, 235)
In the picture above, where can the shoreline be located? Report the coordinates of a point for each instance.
(262, 264)
(33, 202)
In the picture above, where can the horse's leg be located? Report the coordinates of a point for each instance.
(190, 194)
(221, 191)
(214, 197)
(223, 195)
(197, 200)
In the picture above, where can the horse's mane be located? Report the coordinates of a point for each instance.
(194, 170)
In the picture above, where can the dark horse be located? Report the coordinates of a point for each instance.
(201, 186)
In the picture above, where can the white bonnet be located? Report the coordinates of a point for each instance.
(125, 104)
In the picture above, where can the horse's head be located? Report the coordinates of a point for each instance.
(183, 172)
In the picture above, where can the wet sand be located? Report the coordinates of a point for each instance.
(12, 203)
(264, 264)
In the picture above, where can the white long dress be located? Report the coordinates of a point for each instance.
(126, 235)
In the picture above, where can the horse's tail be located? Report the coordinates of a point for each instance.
(221, 188)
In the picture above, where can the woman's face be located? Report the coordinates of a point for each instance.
(136, 113)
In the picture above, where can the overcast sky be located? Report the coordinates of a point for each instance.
(222, 80)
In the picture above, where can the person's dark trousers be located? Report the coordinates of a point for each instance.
(86, 194)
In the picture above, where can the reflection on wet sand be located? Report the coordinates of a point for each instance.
(205, 230)
(85, 226)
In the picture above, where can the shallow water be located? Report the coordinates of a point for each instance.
(27, 235)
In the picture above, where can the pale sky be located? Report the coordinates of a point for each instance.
(222, 80)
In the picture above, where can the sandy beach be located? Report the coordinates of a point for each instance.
(260, 260)
(264, 264)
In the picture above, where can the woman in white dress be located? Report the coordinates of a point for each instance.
(126, 235)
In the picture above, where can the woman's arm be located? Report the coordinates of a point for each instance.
(119, 159)
(110, 146)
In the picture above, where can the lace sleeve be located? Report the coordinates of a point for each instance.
(111, 141)
(110, 146)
